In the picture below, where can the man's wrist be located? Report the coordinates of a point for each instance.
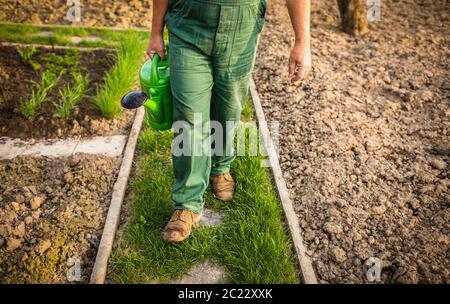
(302, 41)
(157, 31)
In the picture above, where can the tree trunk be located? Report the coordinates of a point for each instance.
(353, 16)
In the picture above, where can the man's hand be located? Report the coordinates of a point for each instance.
(156, 42)
(300, 61)
(156, 45)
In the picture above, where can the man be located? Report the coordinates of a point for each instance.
(212, 45)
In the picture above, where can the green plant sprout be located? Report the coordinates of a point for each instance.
(27, 55)
(48, 81)
(27, 52)
(122, 76)
(71, 96)
(57, 63)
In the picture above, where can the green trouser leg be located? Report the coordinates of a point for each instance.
(192, 91)
(227, 103)
(211, 55)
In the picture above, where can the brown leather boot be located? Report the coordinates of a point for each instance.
(223, 186)
(180, 225)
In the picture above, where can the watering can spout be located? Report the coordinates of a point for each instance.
(134, 99)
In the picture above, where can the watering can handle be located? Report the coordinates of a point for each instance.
(154, 75)
(154, 71)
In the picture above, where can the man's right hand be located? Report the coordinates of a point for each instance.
(156, 45)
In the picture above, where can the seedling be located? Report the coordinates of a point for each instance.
(71, 96)
(121, 77)
(30, 107)
(57, 63)
(27, 55)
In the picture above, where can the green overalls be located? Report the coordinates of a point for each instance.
(211, 54)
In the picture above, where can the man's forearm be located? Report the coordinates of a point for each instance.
(159, 12)
(299, 11)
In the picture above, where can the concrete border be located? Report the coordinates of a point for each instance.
(112, 219)
(105, 145)
(307, 271)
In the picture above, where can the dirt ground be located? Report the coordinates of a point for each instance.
(364, 140)
(52, 210)
(16, 80)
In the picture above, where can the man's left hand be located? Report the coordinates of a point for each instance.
(300, 61)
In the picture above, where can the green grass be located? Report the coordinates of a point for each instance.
(252, 243)
(122, 76)
(71, 95)
(27, 33)
(29, 108)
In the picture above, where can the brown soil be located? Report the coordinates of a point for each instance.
(52, 210)
(364, 140)
(16, 78)
(365, 143)
(118, 13)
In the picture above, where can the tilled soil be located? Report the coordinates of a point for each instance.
(52, 213)
(16, 79)
(365, 139)
(117, 13)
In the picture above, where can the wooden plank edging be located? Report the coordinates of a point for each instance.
(307, 271)
(112, 219)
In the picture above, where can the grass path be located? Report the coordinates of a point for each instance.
(252, 243)
(61, 35)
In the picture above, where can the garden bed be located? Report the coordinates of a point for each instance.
(18, 75)
(52, 210)
(364, 143)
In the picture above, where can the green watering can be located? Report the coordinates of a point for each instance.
(155, 94)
